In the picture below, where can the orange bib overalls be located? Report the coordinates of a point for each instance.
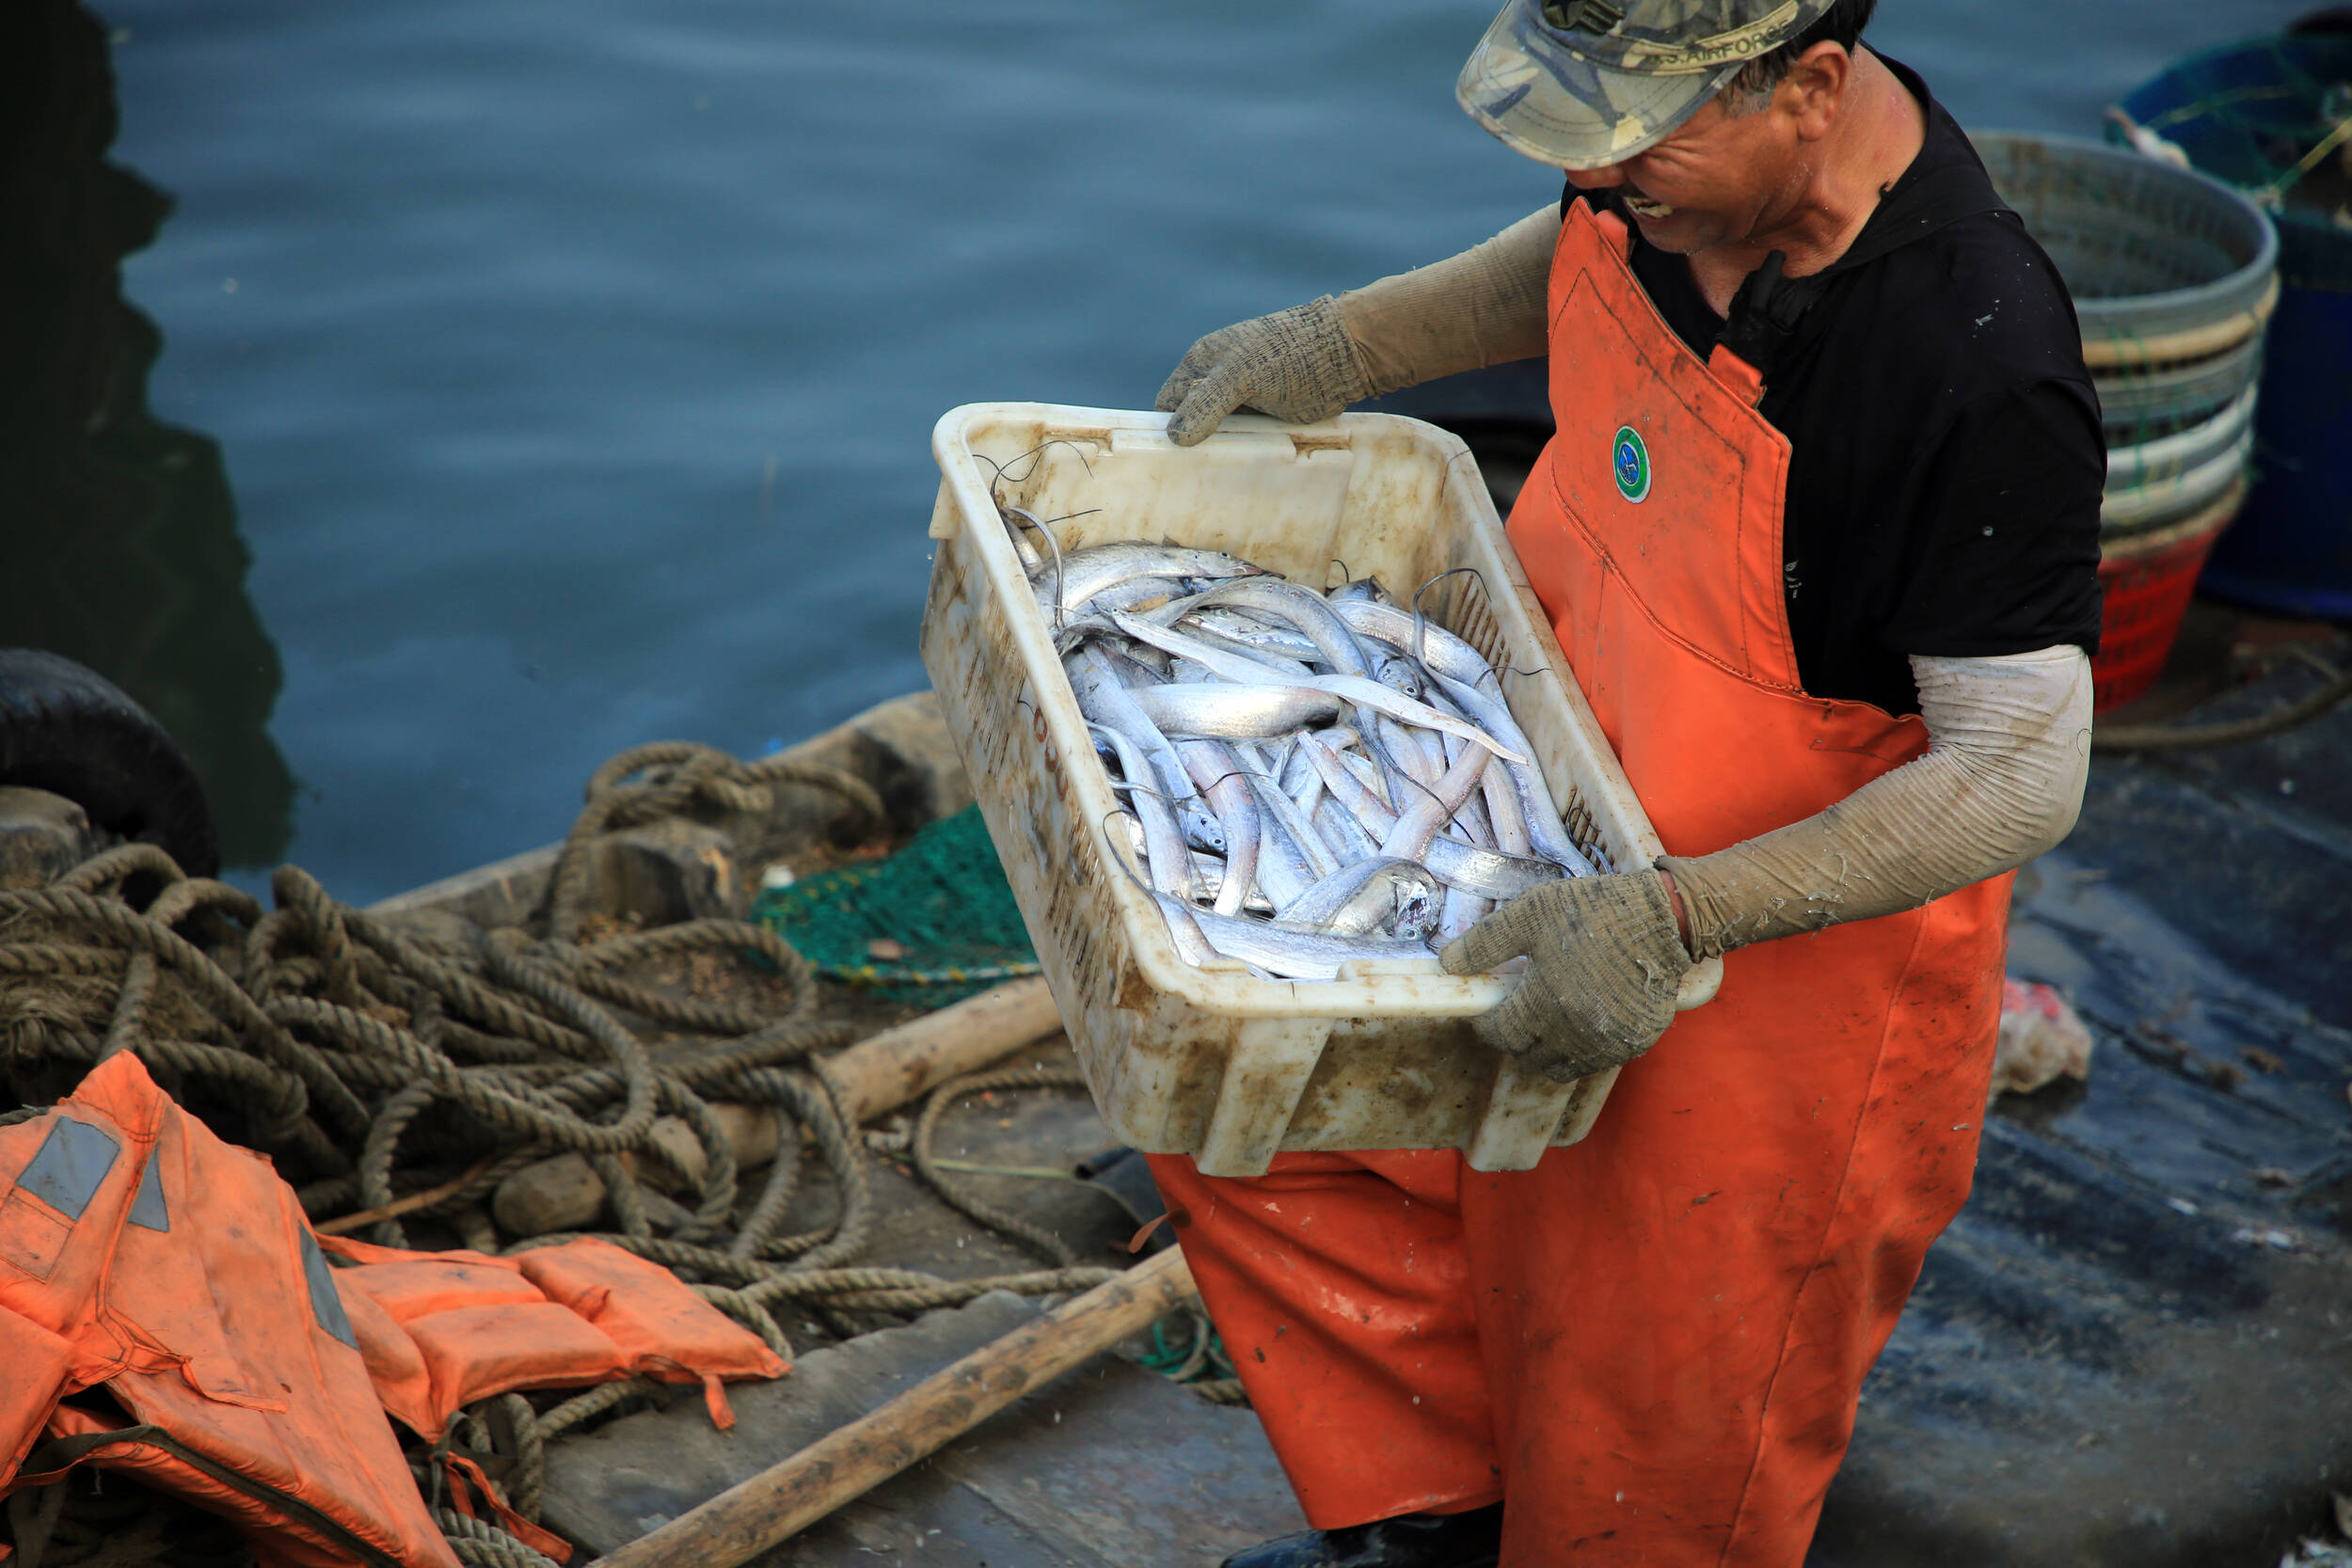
(1651, 1345)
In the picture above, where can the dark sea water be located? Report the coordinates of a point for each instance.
(572, 365)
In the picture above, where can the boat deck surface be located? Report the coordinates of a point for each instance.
(2130, 1348)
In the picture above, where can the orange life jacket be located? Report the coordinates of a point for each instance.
(141, 1253)
(443, 1329)
(248, 1374)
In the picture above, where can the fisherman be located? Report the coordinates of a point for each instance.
(1819, 535)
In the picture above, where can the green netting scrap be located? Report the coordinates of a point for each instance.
(943, 900)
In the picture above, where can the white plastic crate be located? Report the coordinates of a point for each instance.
(1213, 1061)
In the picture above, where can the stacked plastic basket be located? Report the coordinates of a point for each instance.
(2273, 116)
(2174, 275)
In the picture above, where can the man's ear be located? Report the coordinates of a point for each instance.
(1814, 91)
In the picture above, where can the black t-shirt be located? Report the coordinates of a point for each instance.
(1945, 454)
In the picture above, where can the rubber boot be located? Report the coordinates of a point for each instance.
(1473, 1539)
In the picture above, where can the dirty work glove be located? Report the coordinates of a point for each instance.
(1297, 364)
(1480, 308)
(1604, 959)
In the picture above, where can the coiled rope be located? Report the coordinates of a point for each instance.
(2335, 686)
(369, 1060)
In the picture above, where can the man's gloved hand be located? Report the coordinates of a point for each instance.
(1298, 364)
(1604, 959)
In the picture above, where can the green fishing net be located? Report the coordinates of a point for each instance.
(931, 924)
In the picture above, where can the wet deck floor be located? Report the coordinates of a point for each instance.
(1110, 1463)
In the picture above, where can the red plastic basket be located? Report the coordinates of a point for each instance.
(2148, 579)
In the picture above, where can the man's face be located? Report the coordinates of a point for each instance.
(1737, 180)
(1720, 179)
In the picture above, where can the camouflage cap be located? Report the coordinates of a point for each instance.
(1578, 83)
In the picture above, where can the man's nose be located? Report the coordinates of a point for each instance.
(1606, 178)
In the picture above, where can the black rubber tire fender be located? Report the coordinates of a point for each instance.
(65, 729)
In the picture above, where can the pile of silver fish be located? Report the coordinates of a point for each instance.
(1310, 779)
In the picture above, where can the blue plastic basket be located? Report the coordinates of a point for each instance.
(2245, 113)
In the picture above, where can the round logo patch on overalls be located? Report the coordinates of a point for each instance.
(1629, 461)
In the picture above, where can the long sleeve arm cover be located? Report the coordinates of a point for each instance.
(2009, 748)
(1481, 308)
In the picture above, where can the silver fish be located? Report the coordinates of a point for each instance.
(1141, 593)
(1129, 663)
(1401, 674)
(1505, 812)
(1286, 813)
(1353, 794)
(1190, 946)
(1362, 691)
(1437, 649)
(1482, 872)
(1295, 955)
(1309, 854)
(1367, 693)
(1031, 557)
(1285, 866)
(1419, 823)
(1235, 712)
(1486, 873)
(1306, 794)
(1280, 663)
(1202, 828)
(1343, 831)
(1543, 818)
(1242, 630)
(1241, 667)
(1218, 698)
(1410, 755)
(1302, 612)
(1081, 575)
(1294, 769)
(1105, 701)
(1336, 645)
(1163, 853)
(1219, 776)
(1457, 914)
(1471, 822)
(1208, 874)
(1388, 787)
(1394, 896)
(1505, 815)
